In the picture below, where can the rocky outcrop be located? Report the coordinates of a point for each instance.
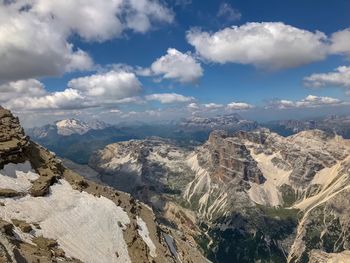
(12, 138)
(49, 213)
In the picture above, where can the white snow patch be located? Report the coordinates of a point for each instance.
(69, 127)
(144, 233)
(17, 177)
(86, 227)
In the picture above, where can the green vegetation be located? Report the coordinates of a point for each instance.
(281, 213)
(288, 195)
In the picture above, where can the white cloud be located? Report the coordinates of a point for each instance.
(32, 46)
(21, 88)
(92, 20)
(175, 65)
(113, 87)
(141, 13)
(193, 106)
(284, 104)
(115, 111)
(341, 42)
(239, 106)
(34, 34)
(30, 94)
(310, 101)
(272, 45)
(108, 87)
(340, 77)
(129, 100)
(104, 20)
(228, 12)
(167, 98)
(213, 106)
(315, 101)
(67, 99)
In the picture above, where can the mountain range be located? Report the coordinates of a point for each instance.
(233, 189)
(244, 197)
(335, 124)
(77, 140)
(49, 213)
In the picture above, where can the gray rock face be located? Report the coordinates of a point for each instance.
(12, 138)
(230, 158)
(255, 189)
(143, 168)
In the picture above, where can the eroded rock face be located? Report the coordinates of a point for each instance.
(144, 168)
(48, 213)
(12, 138)
(275, 195)
(230, 159)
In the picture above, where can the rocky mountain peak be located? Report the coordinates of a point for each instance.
(230, 159)
(71, 126)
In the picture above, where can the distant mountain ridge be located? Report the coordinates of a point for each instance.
(67, 127)
(229, 122)
(336, 124)
(77, 140)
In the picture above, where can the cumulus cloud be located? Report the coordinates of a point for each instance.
(193, 106)
(339, 77)
(141, 13)
(112, 87)
(310, 101)
(239, 106)
(176, 65)
(34, 34)
(67, 99)
(108, 87)
(228, 12)
(167, 98)
(272, 45)
(21, 88)
(31, 95)
(31, 46)
(213, 106)
(340, 42)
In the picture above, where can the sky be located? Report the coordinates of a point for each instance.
(151, 60)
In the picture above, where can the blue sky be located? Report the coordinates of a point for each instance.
(223, 53)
